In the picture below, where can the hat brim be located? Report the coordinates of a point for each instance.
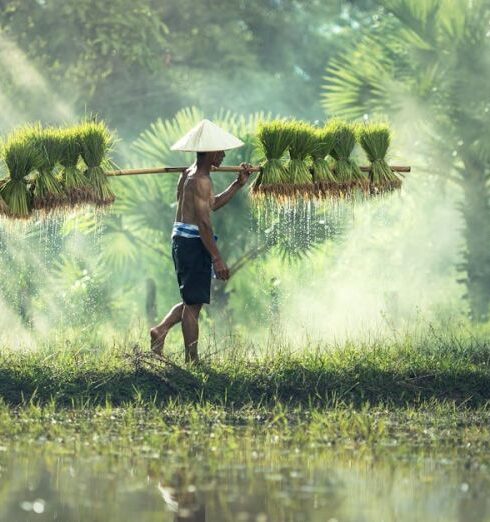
(207, 137)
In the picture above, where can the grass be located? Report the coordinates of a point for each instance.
(140, 426)
(379, 398)
(401, 374)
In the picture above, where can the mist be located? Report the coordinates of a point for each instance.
(85, 275)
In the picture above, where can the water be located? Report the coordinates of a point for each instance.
(258, 482)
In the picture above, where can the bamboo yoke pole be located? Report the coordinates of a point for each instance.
(164, 170)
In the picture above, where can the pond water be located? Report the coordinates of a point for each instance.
(263, 484)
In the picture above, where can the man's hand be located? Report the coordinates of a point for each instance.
(244, 174)
(220, 269)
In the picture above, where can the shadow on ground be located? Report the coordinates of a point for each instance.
(317, 381)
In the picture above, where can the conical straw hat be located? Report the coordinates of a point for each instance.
(206, 137)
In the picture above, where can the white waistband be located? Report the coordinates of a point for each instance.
(185, 230)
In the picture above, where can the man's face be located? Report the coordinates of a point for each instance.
(218, 158)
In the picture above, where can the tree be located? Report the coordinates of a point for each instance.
(430, 58)
(130, 60)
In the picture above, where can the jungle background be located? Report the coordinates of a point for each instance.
(153, 69)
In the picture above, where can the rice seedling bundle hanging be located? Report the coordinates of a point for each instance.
(22, 158)
(375, 139)
(303, 142)
(48, 192)
(323, 177)
(4, 210)
(76, 184)
(96, 142)
(348, 175)
(273, 138)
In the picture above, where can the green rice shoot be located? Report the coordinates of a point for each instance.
(322, 175)
(347, 172)
(21, 159)
(302, 144)
(76, 184)
(48, 192)
(273, 139)
(96, 142)
(375, 139)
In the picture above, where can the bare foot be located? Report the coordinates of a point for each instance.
(157, 340)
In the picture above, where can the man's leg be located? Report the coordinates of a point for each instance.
(159, 332)
(190, 330)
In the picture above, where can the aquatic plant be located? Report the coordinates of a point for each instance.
(375, 140)
(21, 159)
(96, 142)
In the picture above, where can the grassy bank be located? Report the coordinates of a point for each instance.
(137, 427)
(396, 374)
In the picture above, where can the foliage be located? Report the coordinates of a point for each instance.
(430, 58)
(129, 61)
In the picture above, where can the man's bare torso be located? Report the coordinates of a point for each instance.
(192, 185)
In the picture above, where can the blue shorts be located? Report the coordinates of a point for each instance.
(193, 265)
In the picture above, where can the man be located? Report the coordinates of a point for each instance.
(194, 249)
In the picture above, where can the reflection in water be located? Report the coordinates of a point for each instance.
(181, 498)
(316, 485)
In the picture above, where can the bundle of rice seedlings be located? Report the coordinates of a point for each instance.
(303, 142)
(3, 206)
(96, 142)
(48, 192)
(322, 175)
(75, 183)
(375, 140)
(347, 173)
(21, 158)
(273, 138)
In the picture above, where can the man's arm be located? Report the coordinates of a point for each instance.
(202, 198)
(222, 199)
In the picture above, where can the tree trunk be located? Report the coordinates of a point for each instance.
(476, 213)
(151, 301)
